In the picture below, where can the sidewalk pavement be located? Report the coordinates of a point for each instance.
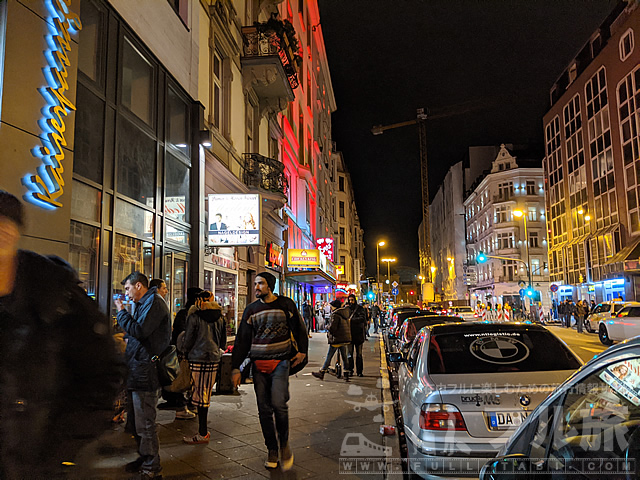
(322, 414)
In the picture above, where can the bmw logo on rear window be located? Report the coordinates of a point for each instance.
(500, 350)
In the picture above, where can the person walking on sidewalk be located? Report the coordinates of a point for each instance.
(307, 314)
(375, 316)
(581, 312)
(268, 328)
(562, 313)
(175, 400)
(204, 341)
(570, 311)
(148, 333)
(60, 368)
(339, 337)
(358, 326)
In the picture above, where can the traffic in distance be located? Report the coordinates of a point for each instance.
(502, 400)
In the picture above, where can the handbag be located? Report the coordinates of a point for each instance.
(182, 383)
(167, 365)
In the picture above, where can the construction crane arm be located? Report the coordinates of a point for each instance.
(379, 129)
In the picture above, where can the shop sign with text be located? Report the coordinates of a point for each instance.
(234, 219)
(340, 269)
(303, 258)
(275, 258)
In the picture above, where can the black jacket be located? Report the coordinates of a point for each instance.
(339, 332)
(358, 325)
(206, 333)
(148, 333)
(60, 370)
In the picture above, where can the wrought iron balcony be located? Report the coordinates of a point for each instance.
(265, 174)
(269, 65)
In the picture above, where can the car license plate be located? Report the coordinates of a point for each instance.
(506, 420)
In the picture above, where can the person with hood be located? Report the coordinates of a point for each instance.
(338, 336)
(174, 400)
(358, 324)
(205, 339)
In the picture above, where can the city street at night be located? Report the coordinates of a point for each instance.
(329, 239)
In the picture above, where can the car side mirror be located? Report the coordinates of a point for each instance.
(396, 357)
(504, 468)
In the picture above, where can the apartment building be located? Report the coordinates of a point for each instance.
(591, 165)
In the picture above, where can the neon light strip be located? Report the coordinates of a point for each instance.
(45, 187)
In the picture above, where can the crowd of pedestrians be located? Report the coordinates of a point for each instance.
(568, 310)
(63, 381)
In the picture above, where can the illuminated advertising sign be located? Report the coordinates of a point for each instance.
(303, 258)
(325, 245)
(340, 269)
(275, 258)
(46, 187)
(234, 219)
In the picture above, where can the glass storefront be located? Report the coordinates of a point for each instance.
(225, 294)
(132, 173)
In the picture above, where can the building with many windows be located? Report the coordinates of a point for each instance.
(592, 165)
(499, 208)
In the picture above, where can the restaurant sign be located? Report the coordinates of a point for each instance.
(303, 258)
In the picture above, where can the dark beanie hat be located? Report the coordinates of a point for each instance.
(269, 278)
(11, 208)
(191, 294)
(336, 303)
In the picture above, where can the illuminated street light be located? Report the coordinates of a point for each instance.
(378, 245)
(520, 213)
(388, 262)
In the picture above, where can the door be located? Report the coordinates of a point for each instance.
(631, 325)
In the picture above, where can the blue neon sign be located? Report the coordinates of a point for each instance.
(46, 187)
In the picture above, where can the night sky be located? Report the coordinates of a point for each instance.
(489, 63)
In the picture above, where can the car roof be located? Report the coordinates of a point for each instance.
(629, 304)
(479, 327)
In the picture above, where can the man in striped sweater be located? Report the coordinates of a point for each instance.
(265, 334)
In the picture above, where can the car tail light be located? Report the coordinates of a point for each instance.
(441, 417)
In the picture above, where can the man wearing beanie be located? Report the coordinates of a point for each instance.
(265, 335)
(60, 369)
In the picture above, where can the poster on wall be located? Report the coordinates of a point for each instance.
(234, 219)
(325, 245)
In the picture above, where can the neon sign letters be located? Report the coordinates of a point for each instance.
(46, 187)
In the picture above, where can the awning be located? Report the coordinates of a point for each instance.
(605, 230)
(317, 278)
(579, 239)
(630, 252)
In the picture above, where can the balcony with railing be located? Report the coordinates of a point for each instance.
(265, 176)
(270, 62)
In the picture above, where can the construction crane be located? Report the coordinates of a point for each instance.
(420, 120)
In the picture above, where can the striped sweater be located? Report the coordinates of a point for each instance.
(265, 331)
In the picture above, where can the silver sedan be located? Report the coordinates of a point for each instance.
(464, 388)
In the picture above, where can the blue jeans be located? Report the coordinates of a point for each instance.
(144, 413)
(272, 395)
(332, 351)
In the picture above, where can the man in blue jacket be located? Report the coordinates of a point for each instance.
(148, 335)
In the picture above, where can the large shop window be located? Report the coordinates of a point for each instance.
(86, 202)
(178, 122)
(90, 51)
(137, 83)
(175, 268)
(136, 163)
(89, 141)
(176, 201)
(130, 255)
(225, 294)
(83, 255)
(134, 220)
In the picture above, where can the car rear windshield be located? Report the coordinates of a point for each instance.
(498, 351)
(603, 307)
(464, 309)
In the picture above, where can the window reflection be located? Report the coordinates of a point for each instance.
(83, 255)
(137, 78)
(225, 294)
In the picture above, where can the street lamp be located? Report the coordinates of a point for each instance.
(388, 262)
(433, 272)
(520, 213)
(378, 245)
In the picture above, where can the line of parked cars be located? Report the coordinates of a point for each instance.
(514, 401)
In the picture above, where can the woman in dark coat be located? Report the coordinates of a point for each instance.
(204, 341)
(339, 337)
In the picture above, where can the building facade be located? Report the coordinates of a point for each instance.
(590, 165)
(448, 249)
(492, 228)
(119, 119)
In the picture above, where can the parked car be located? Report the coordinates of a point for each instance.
(626, 324)
(595, 414)
(465, 387)
(392, 315)
(602, 311)
(464, 312)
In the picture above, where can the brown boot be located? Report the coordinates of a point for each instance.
(319, 375)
